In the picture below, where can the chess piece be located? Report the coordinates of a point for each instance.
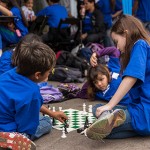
(86, 124)
(54, 109)
(80, 130)
(63, 133)
(90, 109)
(66, 126)
(84, 109)
(49, 107)
(60, 108)
(53, 122)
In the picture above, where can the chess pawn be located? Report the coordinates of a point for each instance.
(60, 108)
(49, 107)
(84, 109)
(63, 133)
(90, 108)
(54, 109)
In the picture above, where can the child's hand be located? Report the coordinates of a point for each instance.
(101, 109)
(93, 60)
(33, 18)
(59, 115)
(83, 36)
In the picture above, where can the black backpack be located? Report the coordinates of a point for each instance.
(68, 59)
(66, 75)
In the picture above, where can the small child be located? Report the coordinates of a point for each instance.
(13, 32)
(102, 84)
(112, 63)
(28, 10)
(21, 104)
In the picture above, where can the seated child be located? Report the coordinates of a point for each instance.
(13, 32)
(102, 84)
(111, 61)
(55, 12)
(21, 104)
(28, 10)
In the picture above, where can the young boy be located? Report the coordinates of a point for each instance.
(21, 101)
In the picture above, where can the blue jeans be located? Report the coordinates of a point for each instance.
(123, 131)
(45, 126)
(7, 37)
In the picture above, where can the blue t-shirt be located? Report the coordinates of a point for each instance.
(105, 7)
(111, 89)
(18, 21)
(20, 103)
(139, 67)
(143, 11)
(87, 22)
(114, 64)
(55, 12)
(5, 61)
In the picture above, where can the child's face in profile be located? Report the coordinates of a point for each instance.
(29, 4)
(44, 77)
(119, 41)
(101, 82)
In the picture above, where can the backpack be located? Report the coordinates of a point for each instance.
(68, 90)
(95, 47)
(68, 59)
(50, 93)
(66, 74)
(90, 48)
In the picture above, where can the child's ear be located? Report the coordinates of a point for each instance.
(126, 32)
(37, 75)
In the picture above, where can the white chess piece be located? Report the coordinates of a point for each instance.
(63, 133)
(69, 120)
(90, 108)
(60, 108)
(49, 108)
(84, 109)
(54, 109)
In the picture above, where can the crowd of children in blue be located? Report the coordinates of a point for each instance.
(31, 62)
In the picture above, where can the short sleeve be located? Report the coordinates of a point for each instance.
(137, 65)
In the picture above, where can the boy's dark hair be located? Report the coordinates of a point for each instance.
(35, 57)
(92, 76)
(31, 37)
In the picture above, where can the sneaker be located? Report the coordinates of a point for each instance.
(15, 141)
(104, 125)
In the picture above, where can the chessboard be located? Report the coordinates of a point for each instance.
(76, 119)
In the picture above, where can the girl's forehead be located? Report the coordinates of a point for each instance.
(100, 75)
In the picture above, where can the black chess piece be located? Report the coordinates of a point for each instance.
(66, 126)
(53, 122)
(80, 130)
(86, 124)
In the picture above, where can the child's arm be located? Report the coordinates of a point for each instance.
(126, 84)
(59, 115)
(5, 11)
(111, 51)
